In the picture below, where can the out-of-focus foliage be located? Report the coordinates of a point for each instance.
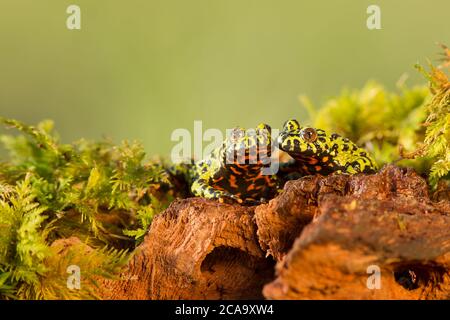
(89, 190)
(410, 127)
(436, 144)
(378, 120)
(142, 71)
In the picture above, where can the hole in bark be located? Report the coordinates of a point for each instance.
(413, 277)
(230, 273)
(407, 278)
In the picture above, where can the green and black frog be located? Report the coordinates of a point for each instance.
(237, 171)
(316, 152)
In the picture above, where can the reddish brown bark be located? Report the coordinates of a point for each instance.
(282, 220)
(385, 220)
(408, 240)
(198, 249)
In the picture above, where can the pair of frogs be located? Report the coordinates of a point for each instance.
(240, 169)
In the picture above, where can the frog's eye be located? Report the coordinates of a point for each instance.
(309, 134)
(291, 125)
(237, 134)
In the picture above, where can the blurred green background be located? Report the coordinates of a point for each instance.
(140, 69)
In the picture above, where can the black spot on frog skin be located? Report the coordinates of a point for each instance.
(334, 136)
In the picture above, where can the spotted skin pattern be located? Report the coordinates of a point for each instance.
(316, 152)
(233, 171)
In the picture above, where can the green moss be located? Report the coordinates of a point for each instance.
(378, 120)
(50, 191)
(409, 127)
(436, 144)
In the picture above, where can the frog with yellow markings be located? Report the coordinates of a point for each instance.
(234, 171)
(316, 152)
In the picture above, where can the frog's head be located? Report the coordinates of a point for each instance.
(252, 146)
(298, 141)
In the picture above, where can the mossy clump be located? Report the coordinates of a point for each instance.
(376, 119)
(101, 193)
(409, 127)
(436, 144)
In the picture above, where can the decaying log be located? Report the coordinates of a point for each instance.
(198, 249)
(385, 223)
(282, 220)
(408, 242)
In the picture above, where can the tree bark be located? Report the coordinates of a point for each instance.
(282, 220)
(337, 256)
(198, 249)
(363, 225)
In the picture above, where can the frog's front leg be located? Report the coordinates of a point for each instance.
(360, 165)
(201, 188)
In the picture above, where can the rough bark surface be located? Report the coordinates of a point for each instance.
(282, 220)
(198, 249)
(382, 223)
